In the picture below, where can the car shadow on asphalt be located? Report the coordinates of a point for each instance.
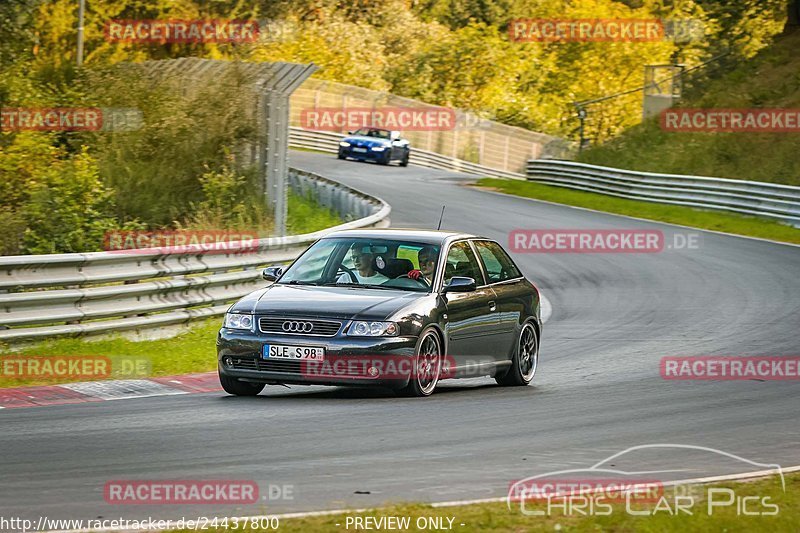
(275, 393)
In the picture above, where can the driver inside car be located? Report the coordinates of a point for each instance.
(427, 265)
(362, 268)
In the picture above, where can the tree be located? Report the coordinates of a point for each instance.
(793, 16)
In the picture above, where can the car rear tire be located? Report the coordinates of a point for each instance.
(239, 388)
(427, 365)
(404, 161)
(525, 360)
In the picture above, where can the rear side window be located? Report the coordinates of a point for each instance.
(498, 266)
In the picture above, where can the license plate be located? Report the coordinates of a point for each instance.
(296, 353)
(360, 150)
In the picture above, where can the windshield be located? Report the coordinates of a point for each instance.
(361, 262)
(371, 132)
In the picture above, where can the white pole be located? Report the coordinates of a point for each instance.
(81, 7)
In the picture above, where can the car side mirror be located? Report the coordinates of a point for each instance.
(460, 284)
(350, 132)
(395, 136)
(272, 273)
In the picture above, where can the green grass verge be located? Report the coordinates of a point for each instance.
(675, 214)
(496, 517)
(305, 215)
(191, 351)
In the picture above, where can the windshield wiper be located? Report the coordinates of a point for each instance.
(364, 286)
(301, 282)
(382, 287)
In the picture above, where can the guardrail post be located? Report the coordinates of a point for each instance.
(344, 107)
(277, 88)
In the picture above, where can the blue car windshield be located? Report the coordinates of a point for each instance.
(372, 132)
(361, 262)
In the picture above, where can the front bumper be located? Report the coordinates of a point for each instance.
(239, 356)
(369, 155)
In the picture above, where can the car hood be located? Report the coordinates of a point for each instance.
(339, 302)
(357, 140)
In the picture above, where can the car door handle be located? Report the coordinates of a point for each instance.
(492, 306)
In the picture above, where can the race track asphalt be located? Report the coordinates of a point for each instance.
(598, 389)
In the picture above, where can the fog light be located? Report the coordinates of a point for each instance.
(228, 361)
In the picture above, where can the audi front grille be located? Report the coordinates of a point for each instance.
(312, 368)
(261, 365)
(299, 326)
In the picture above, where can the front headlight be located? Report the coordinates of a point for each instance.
(344, 143)
(378, 148)
(239, 321)
(361, 328)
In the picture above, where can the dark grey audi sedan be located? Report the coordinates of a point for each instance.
(385, 307)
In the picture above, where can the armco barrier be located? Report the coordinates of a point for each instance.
(779, 202)
(76, 294)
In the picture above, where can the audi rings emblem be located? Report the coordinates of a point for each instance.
(296, 326)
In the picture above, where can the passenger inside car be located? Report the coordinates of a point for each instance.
(363, 269)
(426, 258)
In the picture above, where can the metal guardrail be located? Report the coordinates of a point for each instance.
(325, 141)
(76, 294)
(779, 202)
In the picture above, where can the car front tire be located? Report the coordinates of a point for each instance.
(427, 367)
(525, 360)
(239, 388)
(404, 161)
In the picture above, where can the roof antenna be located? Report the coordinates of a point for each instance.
(440, 220)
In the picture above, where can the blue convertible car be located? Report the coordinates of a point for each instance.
(375, 144)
